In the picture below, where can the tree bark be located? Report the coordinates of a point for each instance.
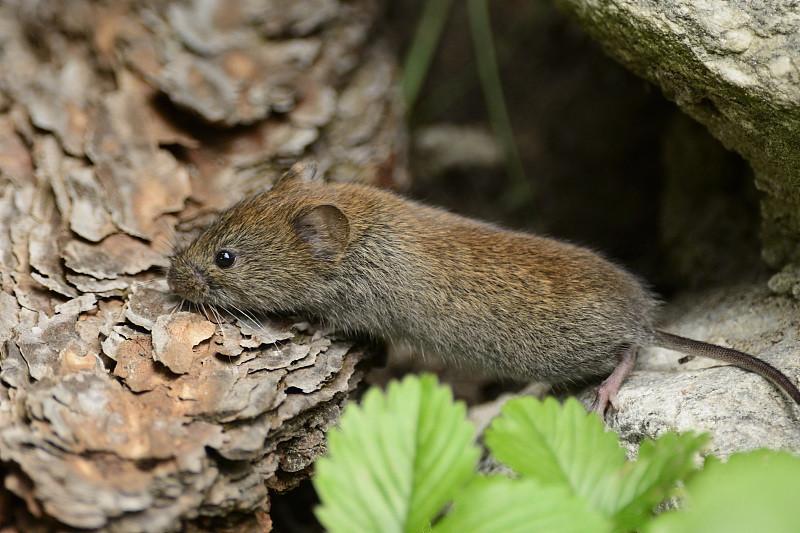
(126, 126)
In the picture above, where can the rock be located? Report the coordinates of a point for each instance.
(741, 410)
(708, 212)
(732, 66)
(439, 148)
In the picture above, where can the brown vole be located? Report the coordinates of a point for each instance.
(364, 260)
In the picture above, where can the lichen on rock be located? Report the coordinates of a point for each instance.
(731, 65)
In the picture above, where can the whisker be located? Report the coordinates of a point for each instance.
(247, 321)
(233, 313)
(213, 318)
(246, 313)
(224, 339)
(165, 243)
(219, 320)
(205, 312)
(256, 324)
(174, 308)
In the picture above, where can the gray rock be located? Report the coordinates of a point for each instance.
(732, 65)
(740, 410)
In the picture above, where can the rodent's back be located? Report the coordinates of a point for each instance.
(508, 303)
(517, 304)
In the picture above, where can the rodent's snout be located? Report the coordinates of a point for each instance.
(187, 281)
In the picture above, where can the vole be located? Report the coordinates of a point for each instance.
(506, 303)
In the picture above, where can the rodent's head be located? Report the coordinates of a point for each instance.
(264, 253)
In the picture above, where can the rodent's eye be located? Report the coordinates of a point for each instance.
(224, 258)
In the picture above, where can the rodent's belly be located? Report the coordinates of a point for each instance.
(569, 362)
(551, 351)
(513, 330)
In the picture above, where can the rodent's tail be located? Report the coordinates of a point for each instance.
(728, 355)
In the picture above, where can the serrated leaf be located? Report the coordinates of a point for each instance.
(555, 444)
(396, 459)
(630, 495)
(755, 491)
(495, 504)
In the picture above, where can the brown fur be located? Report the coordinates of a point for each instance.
(364, 260)
(509, 303)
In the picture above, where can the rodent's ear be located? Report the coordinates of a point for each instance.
(326, 230)
(301, 171)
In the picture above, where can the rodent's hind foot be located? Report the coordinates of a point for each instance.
(603, 398)
(607, 391)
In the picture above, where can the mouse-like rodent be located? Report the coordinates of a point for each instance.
(365, 260)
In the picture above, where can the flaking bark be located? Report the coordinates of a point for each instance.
(124, 127)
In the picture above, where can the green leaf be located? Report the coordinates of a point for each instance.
(554, 444)
(755, 491)
(630, 494)
(395, 460)
(496, 504)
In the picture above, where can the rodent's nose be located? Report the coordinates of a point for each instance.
(187, 281)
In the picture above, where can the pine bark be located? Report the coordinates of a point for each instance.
(125, 126)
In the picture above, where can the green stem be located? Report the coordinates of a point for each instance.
(489, 74)
(426, 40)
